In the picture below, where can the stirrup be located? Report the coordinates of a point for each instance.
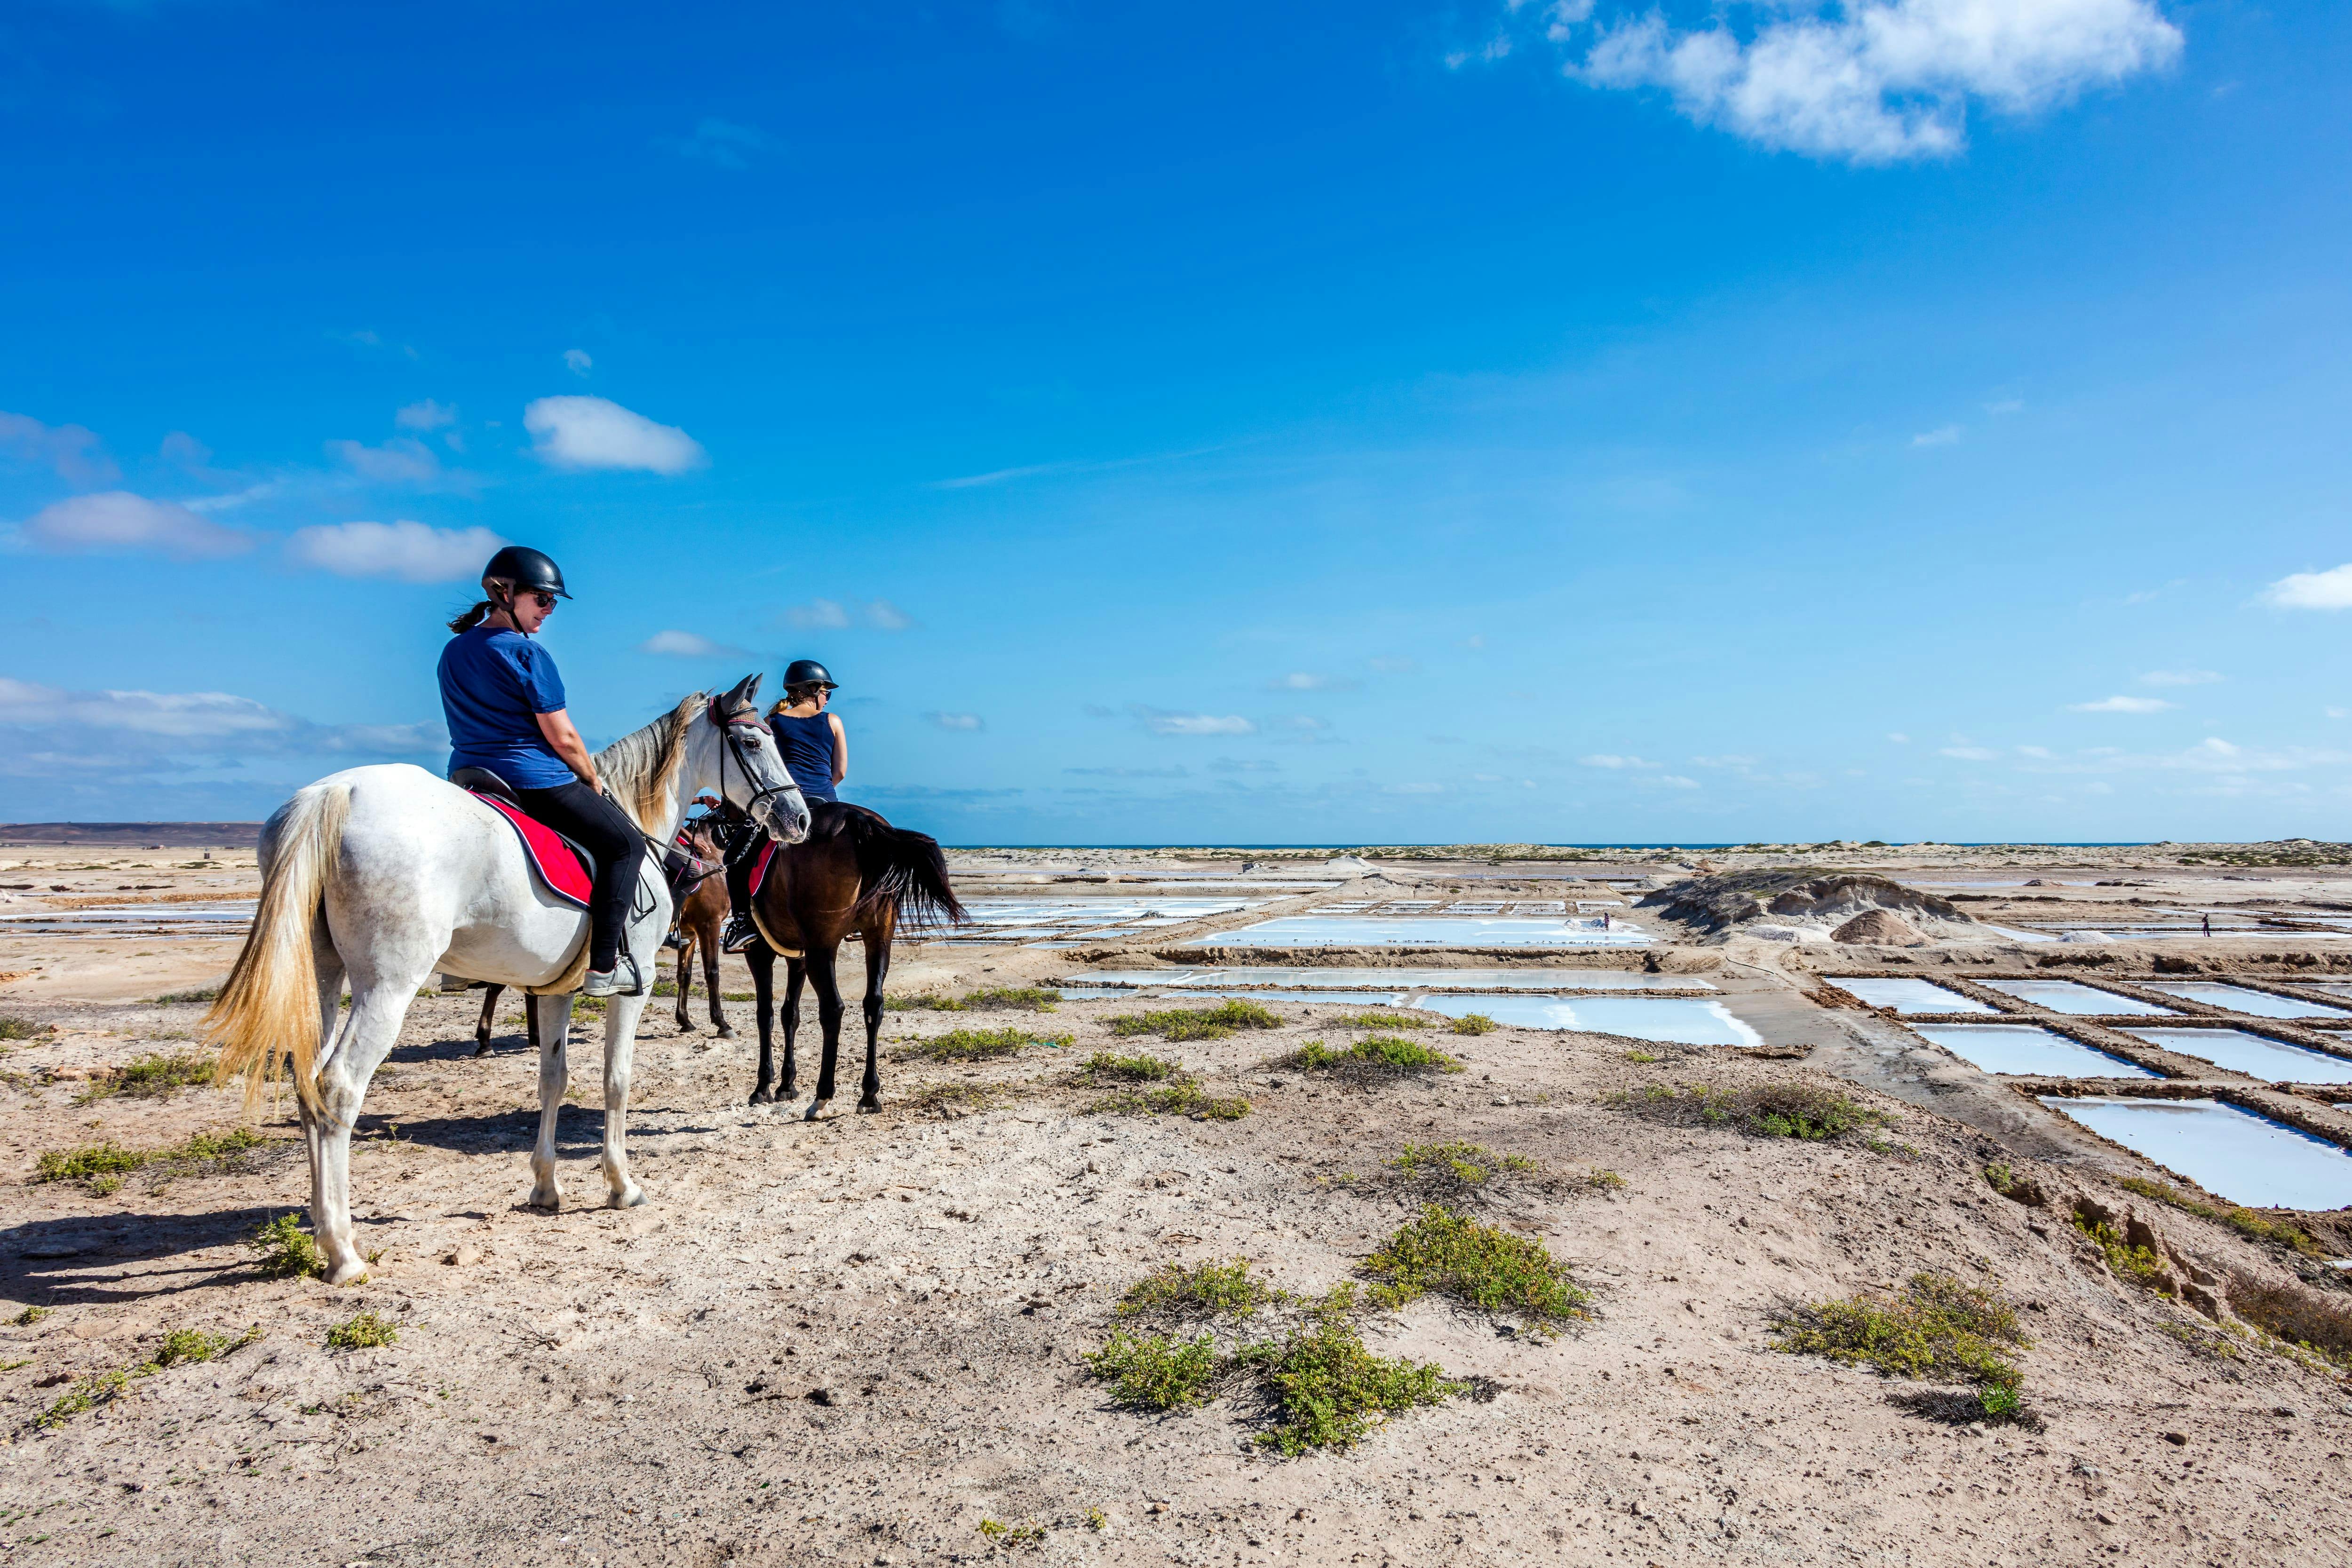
(674, 942)
(738, 935)
(621, 981)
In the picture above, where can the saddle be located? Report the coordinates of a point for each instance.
(562, 867)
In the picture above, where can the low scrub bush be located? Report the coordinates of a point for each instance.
(180, 1348)
(1938, 1330)
(147, 1077)
(288, 1251)
(110, 1161)
(1197, 1023)
(1377, 1057)
(195, 994)
(1384, 1019)
(982, 1044)
(947, 1102)
(2302, 1318)
(2246, 1222)
(1036, 998)
(369, 1331)
(1181, 1096)
(1103, 1067)
(1154, 1372)
(11, 1028)
(1200, 1291)
(1329, 1390)
(1796, 1110)
(1479, 1266)
(1474, 1023)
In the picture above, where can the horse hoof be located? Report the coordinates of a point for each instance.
(629, 1197)
(762, 1097)
(818, 1111)
(725, 1034)
(549, 1198)
(344, 1273)
(869, 1106)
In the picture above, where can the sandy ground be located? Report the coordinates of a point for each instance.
(859, 1340)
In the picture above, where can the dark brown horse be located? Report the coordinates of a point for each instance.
(701, 900)
(854, 872)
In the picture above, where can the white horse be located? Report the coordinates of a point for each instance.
(388, 873)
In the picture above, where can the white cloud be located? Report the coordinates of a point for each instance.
(1301, 681)
(1876, 81)
(1159, 721)
(118, 520)
(596, 433)
(689, 645)
(2039, 752)
(2179, 678)
(409, 551)
(885, 616)
(818, 615)
(2006, 405)
(397, 461)
(2123, 704)
(1725, 761)
(2329, 589)
(426, 416)
(966, 721)
(71, 450)
(1899, 737)
(2339, 713)
(577, 361)
(1971, 753)
(185, 450)
(1674, 781)
(177, 716)
(53, 732)
(1610, 759)
(1944, 436)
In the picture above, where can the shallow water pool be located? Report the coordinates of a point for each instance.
(1425, 931)
(1342, 998)
(2270, 1059)
(1909, 996)
(2026, 1048)
(2239, 1000)
(1679, 1020)
(2246, 1158)
(2069, 997)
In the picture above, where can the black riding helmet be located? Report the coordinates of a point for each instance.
(527, 568)
(808, 673)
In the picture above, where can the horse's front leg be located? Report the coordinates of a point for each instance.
(877, 941)
(711, 956)
(795, 976)
(489, 1017)
(820, 963)
(620, 1052)
(684, 1020)
(552, 1019)
(763, 960)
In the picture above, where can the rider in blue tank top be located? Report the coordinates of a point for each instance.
(816, 754)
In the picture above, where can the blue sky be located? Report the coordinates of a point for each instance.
(1336, 423)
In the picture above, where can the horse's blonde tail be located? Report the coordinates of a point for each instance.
(269, 1009)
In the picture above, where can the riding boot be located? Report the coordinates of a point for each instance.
(740, 934)
(741, 931)
(621, 981)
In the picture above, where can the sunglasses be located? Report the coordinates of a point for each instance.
(544, 600)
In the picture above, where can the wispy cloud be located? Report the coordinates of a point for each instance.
(885, 616)
(400, 461)
(1969, 753)
(115, 521)
(50, 732)
(409, 551)
(2329, 589)
(832, 615)
(1612, 759)
(1943, 436)
(961, 721)
(426, 414)
(1869, 81)
(1161, 721)
(577, 361)
(2122, 704)
(691, 645)
(72, 451)
(1078, 466)
(1301, 681)
(580, 432)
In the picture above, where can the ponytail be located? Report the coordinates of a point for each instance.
(501, 593)
(472, 618)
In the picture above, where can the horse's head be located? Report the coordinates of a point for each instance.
(751, 773)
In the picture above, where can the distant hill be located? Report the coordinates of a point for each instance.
(135, 835)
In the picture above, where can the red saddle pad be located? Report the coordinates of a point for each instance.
(559, 868)
(759, 869)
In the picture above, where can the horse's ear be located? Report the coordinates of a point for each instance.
(743, 693)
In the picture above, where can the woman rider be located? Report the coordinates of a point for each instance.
(816, 754)
(504, 703)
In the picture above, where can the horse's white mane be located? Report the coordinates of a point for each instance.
(640, 766)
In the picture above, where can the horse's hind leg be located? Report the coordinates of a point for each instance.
(877, 941)
(683, 1018)
(710, 957)
(551, 1021)
(620, 1051)
(820, 962)
(489, 1016)
(331, 1020)
(379, 1007)
(795, 975)
(763, 960)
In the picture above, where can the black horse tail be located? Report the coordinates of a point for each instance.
(904, 870)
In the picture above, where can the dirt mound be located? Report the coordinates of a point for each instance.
(1713, 904)
(1878, 927)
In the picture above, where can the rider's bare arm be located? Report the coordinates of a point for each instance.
(840, 750)
(567, 744)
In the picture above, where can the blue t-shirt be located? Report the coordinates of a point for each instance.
(494, 684)
(808, 746)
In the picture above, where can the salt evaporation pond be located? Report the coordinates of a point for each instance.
(1341, 978)
(1677, 1020)
(2025, 1048)
(2239, 1000)
(1367, 999)
(2247, 1159)
(1909, 996)
(2068, 996)
(2273, 1061)
(1425, 931)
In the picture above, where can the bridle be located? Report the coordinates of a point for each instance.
(727, 727)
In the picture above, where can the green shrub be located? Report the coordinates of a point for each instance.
(18, 1028)
(1151, 1372)
(1939, 1328)
(1805, 1111)
(982, 1044)
(369, 1331)
(1477, 1265)
(1182, 1096)
(1379, 1056)
(1469, 1164)
(1102, 1064)
(1474, 1023)
(1196, 1023)
(1329, 1389)
(1208, 1289)
(147, 1077)
(180, 1348)
(197, 993)
(1384, 1019)
(288, 1251)
(2247, 1222)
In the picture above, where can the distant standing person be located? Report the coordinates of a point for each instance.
(816, 753)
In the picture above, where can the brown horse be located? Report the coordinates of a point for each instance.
(854, 872)
(701, 898)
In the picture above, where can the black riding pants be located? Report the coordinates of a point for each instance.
(604, 830)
